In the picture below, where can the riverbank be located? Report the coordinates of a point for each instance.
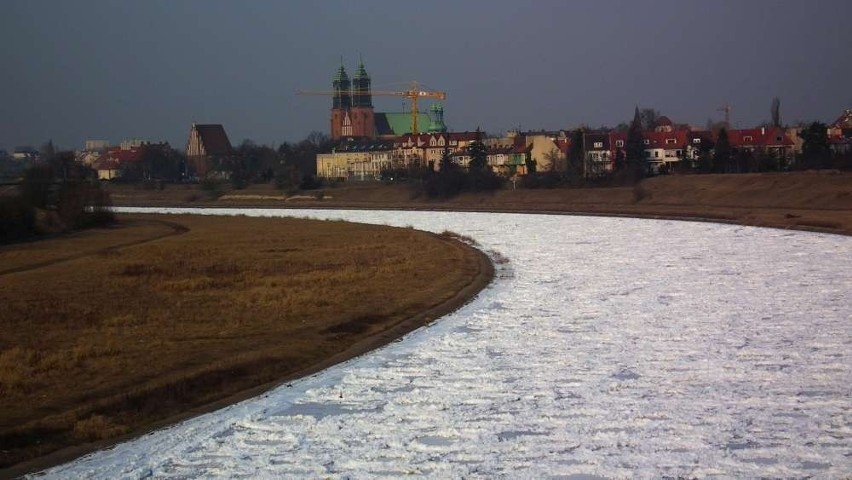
(818, 201)
(232, 306)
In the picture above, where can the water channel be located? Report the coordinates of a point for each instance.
(605, 348)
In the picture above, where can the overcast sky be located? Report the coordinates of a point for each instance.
(147, 69)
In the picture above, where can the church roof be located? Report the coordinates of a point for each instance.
(844, 121)
(398, 123)
(214, 138)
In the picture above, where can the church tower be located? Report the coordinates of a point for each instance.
(341, 123)
(352, 105)
(436, 118)
(363, 120)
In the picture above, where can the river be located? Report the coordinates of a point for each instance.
(604, 348)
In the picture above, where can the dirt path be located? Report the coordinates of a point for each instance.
(176, 229)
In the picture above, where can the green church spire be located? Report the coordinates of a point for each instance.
(361, 93)
(342, 89)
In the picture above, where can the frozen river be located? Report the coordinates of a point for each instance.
(605, 348)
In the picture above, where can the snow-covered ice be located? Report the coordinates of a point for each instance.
(605, 348)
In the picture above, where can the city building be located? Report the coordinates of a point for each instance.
(25, 153)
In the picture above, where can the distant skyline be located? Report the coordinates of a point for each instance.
(102, 69)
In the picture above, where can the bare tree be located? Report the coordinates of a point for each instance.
(649, 118)
(318, 139)
(554, 158)
(776, 112)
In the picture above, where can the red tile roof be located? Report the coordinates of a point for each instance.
(104, 162)
(668, 140)
(521, 148)
(759, 137)
(664, 121)
(124, 156)
(423, 138)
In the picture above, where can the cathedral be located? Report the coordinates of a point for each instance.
(352, 112)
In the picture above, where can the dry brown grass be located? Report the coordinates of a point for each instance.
(99, 341)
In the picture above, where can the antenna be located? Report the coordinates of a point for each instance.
(727, 109)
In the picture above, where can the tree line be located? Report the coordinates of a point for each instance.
(290, 166)
(55, 195)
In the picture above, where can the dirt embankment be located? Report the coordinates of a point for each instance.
(819, 201)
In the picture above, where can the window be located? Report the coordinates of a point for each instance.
(619, 143)
(747, 138)
(696, 140)
(671, 141)
(656, 154)
(646, 141)
(598, 144)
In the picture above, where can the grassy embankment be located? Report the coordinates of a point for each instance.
(110, 332)
(805, 200)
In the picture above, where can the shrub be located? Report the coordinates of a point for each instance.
(213, 187)
(483, 180)
(37, 185)
(445, 184)
(452, 182)
(83, 204)
(97, 427)
(310, 182)
(549, 179)
(17, 219)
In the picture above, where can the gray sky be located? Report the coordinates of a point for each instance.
(115, 69)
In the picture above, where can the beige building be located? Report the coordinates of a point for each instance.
(546, 152)
(428, 148)
(355, 163)
(364, 161)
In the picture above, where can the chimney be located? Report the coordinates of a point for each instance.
(763, 130)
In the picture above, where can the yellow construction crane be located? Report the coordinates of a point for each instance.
(413, 93)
